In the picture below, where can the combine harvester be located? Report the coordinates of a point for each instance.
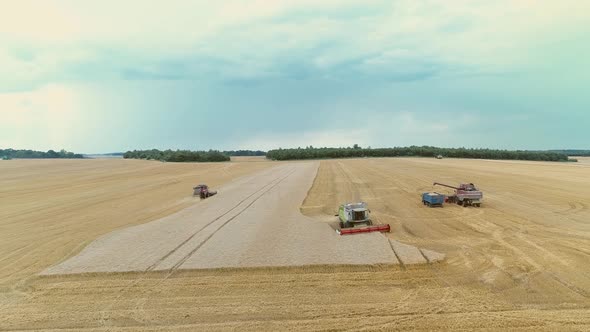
(203, 191)
(354, 214)
(466, 194)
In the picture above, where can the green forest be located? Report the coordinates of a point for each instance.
(244, 153)
(575, 153)
(315, 153)
(31, 154)
(413, 151)
(177, 156)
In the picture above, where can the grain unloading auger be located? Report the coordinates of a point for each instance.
(355, 218)
(466, 194)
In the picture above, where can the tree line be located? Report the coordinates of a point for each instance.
(413, 151)
(244, 153)
(32, 154)
(575, 153)
(177, 156)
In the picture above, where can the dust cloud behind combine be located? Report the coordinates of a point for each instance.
(519, 261)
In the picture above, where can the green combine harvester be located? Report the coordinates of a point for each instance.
(352, 214)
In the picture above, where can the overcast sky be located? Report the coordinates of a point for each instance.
(105, 76)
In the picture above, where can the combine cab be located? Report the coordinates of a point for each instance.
(352, 214)
(354, 218)
(203, 191)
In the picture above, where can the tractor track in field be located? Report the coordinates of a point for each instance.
(262, 191)
(272, 183)
(140, 307)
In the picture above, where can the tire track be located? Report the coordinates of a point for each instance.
(569, 285)
(179, 263)
(139, 307)
(171, 271)
(159, 261)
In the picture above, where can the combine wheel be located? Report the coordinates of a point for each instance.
(459, 202)
(341, 224)
(477, 204)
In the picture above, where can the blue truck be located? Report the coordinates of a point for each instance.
(433, 199)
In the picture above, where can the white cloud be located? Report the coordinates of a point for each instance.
(60, 37)
(47, 48)
(44, 118)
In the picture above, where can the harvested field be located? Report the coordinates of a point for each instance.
(253, 222)
(530, 240)
(518, 262)
(51, 209)
(583, 160)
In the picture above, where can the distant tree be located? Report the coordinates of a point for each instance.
(243, 153)
(177, 156)
(573, 152)
(418, 151)
(31, 154)
(52, 154)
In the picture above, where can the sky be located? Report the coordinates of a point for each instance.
(108, 76)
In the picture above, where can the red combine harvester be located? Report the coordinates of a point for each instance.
(203, 191)
(466, 194)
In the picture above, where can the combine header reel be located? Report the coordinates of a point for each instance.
(368, 229)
